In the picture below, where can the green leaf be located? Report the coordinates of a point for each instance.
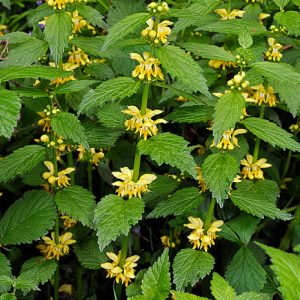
(50, 73)
(281, 3)
(228, 111)
(286, 267)
(219, 170)
(8, 296)
(258, 198)
(253, 296)
(115, 216)
(68, 126)
(170, 149)
(271, 133)
(111, 90)
(245, 39)
(209, 51)
(244, 273)
(156, 282)
(221, 289)
(178, 203)
(57, 31)
(29, 218)
(190, 266)
(92, 15)
(10, 106)
(17, 37)
(181, 66)
(124, 27)
(289, 19)
(191, 114)
(26, 285)
(78, 203)
(5, 3)
(21, 161)
(73, 86)
(5, 270)
(186, 296)
(106, 112)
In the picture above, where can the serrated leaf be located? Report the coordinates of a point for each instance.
(221, 289)
(286, 267)
(21, 161)
(219, 170)
(271, 133)
(281, 3)
(124, 27)
(17, 37)
(258, 199)
(289, 19)
(29, 218)
(78, 203)
(112, 109)
(191, 114)
(26, 285)
(244, 273)
(10, 106)
(186, 296)
(182, 67)
(5, 270)
(178, 203)
(228, 111)
(253, 296)
(165, 148)
(68, 126)
(58, 28)
(92, 15)
(156, 282)
(190, 266)
(73, 86)
(115, 216)
(111, 90)
(245, 39)
(8, 296)
(90, 45)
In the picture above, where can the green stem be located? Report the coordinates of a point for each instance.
(209, 215)
(145, 98)
(71, 164)
(287, 165)
(90, 176)
(56, 275)
(257, 142)
(228, 5)
(136, 166)
(171, 241)
(105, 6)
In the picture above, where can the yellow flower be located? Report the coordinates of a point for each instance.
(96, 156)
(200, 179)
(252, 170)
(155, 8)
(2, 29)
(229, 15)
(79, 23)
(93, 156)
(78, 57)
(57, 4)
(181, 99)
(165, 240)
(148, 67)
(143, 124)
(49, 176)
(221, 64)
(127, 187)
(261, 95)
(68, 222)
(273, 52)
(263, 16)
(66, 67)
(238, 82)
(157, 33)
(123, 273)
(51, 250)
(45, 121)
(295, 128)
(229, 139)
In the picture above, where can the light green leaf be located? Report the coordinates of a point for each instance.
(253, 296)
(182, 67)
(281, 3)
(10, 106)
(29, 218)
(90, 45)
(228, 111)
(57, 31)
(26, 285)
(178, 203)
(73, 86)
(286, 267)
(124, 27)
(245, 39)
(186, 296)
(219, 170)
(156, 282)
(271, 133)
(111, 90)
(221, 289)
(78, 203)
(190, 266)
(21, 161)
(244, 273)
(5, 270)
(17, 37)
(115, 216)
(5, 3)
(92, 15)
(8, 296)
(68, 126)
(258, 198)
(289, 19)
(170, 149)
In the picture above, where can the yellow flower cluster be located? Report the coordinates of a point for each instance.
(238, 81)
(262, 95)
(200, 239)
(148, 67)
(229, 15)
(60, 80)
(51, 250)
(221, 64)
(253, 170)
(165, 240)
(281, 29)
(157, 33)
(273, 52)
(61, 4)
(295, 128)
(79, 23)
(68, 222)
(78, 57)
(127, 187)
(93, 156)
(158, 8)
(2, 29)
(46, 115)
(200, 180)
(143, 124)
(123, 273)
(62, 179)
(229, 139)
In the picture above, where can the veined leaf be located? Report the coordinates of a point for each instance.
(5, 270)
(170, 149)
(73, 86)
(10, 106)
(7, 296)
(289, 19)
(186, 296)
(90, 45)
(108, 110)
(57, 31)
(258, 199)
(190, 266)
(17, 37)
(21, 161)
(5, 3)
(254, 296)
(78, 203)
(221, 289)
(281, 3)
(29, 218)
(178, 203)
(271, 133)
(219, 170)
(245, 39)
(92, 15)
(115, 216)
(181, 66)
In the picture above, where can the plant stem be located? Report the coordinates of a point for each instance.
(257, 142)
(210, 213)
(145, 98)
(90, 177)
(136, 166)
(228, 5)
(287, 165)
(56, 275)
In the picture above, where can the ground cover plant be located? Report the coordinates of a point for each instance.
(149, 150)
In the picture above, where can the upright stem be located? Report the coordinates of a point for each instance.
(210, 213)
(145, 98)
(257, 142)
(90, 176)
(228, 5)
(56, 275)
(287, 165)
